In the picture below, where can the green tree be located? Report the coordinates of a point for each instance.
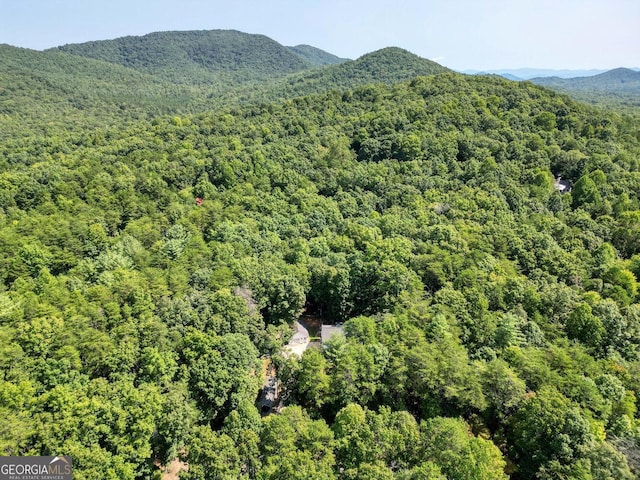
(450, 445)
(548, 427)
(622, 284)
(355, 370)
(585, 194)
(503, 389)
(625, 236)
(211, 455)
(584, 326)
(442, 379)
(546, 121)
(175, 423)
(296, 447)
(312, 381)
(221, 371)
(424, 471)
(355, 442)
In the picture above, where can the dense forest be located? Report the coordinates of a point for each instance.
(152, 267)
(81, 87)
(620, 87)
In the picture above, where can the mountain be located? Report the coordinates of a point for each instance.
(528, 73)
(388, 65)
(619, 79)
(508, 76)
(621, 85)
(316, 56)
(200, 57)
(98, 83)
(235, 59)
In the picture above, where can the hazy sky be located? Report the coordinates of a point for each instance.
(461, 34)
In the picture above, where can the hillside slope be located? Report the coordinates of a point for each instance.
(492, 324)
(62, 89)
(46, 88)
(621, 85)
(389, 65)
(198, 57)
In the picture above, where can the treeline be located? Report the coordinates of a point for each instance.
(492, 323)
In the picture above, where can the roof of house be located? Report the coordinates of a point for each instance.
(562, 185)
(301, 335)
(269, 395)
(329, 331)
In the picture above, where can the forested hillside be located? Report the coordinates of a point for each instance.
(117, 82)
(61, 91)
(620, 87)
(199, 57)
(388, 65)
(492, 323)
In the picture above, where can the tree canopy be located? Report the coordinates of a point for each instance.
(492, 323)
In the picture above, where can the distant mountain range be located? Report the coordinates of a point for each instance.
(620, 86)
(529, 73)
(622, 79)
(234, 59)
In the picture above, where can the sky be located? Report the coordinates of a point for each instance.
(460, 34)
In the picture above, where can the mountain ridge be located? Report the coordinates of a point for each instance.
(39, 87)
(88, 82)
(621, 85)
(526, 73)
(387, 65)
(197, 56)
